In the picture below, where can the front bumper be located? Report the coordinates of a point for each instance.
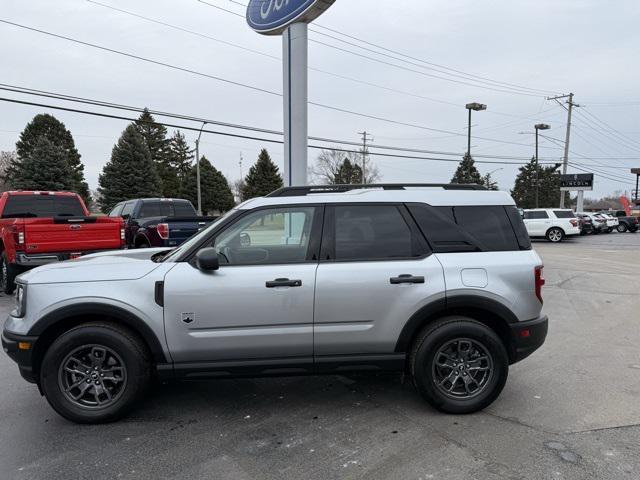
(527, 337)
(23, 357)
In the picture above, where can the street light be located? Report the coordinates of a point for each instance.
(477, 107)
(198, 169)
(539, 126)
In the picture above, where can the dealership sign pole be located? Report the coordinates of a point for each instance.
(289, 18)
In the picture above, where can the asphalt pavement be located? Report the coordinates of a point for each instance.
(570, 411)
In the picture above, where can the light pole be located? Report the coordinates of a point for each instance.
(539, 126)
(477, 107)
(198, 169)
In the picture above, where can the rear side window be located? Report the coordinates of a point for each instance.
(42, 206)
(535, 215)
(489, 226)
(471, 229)
(372, 232)
(564, 214)
(154, 209)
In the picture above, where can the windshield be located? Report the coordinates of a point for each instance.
(196, 238)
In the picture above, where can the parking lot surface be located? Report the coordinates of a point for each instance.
(571, 410)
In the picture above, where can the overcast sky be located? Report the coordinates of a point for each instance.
(589, 47)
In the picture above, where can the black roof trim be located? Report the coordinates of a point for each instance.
(301, 191)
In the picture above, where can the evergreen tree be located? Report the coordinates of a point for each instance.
(262, 179)
(467, 172)
(49, 127)
(215, 191)
(45, 167)
(180, 156)
(524, 189)
(130, 173)
(348, 173)
(489, 182)
(155, 137)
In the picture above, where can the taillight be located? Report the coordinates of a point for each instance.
(122, 237)
(539, 281)
(574, 222)
(18, 235)
(163, 230)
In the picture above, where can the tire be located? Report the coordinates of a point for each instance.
(555, 235)
(609, 230)
(622, 227)
(143, 244)
(119, 378)
(8, 274)
(432, 379)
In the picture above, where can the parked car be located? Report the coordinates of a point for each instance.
(37, 228)
(554, 224)
(598, 222)
(438, 282)
(585, 223)
(158, 222)
(612, 222)
(626, 223)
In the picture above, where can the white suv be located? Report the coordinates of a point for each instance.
(437, 281)
(554, 224)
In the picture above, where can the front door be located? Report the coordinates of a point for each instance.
(537, 222)
(259, 304)
(376, 271)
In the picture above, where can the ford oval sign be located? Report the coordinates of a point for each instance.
(272, 17)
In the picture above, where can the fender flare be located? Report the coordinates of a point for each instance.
(119, 314)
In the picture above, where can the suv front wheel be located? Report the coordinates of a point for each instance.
(95, 372)
(555, 235)
(459, 365)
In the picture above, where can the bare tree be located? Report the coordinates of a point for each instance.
(328, 165)
(6, 159)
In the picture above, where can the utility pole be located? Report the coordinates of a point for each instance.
(366, 137)
(198, 169)
(565, 160)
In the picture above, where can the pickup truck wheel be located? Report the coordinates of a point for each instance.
(459, 365)
(622, 227)
(555, 235)
(95, 372)
(143, 244)
(8, 274)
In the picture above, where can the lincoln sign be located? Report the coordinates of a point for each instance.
(576, 181)
(272, 17)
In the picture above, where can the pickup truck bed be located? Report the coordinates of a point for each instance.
(37, 228)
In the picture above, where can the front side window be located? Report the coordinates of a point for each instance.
(117, 210)
(270, 236)
(371, 232)
(127, 209)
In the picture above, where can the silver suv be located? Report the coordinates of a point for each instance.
(437, 281)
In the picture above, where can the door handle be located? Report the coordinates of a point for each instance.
(283, 282)
(406, 278)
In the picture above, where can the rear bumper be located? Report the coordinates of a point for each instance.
(527, 337)
(23, 357)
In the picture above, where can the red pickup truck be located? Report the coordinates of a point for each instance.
(37, 228)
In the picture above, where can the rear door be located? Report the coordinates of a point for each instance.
(375, 272)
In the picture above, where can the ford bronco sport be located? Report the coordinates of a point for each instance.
(437, 281)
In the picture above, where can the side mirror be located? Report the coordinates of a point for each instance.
(245, 240)
(207, 259)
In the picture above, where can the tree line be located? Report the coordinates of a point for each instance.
(144, 162)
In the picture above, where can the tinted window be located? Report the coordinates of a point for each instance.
(154, 209)
(515, 217)
(564, 214)
(368, 232)
(535, 214)
(183, 209)
(489, 226)
(116, 211)
(33, 206)
(127, 209)
(273, 236)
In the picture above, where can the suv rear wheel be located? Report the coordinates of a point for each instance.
(95, 372)
(459, 365)
(555, 235)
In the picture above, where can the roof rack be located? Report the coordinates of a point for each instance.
(301, 191)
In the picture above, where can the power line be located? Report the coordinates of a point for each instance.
(423, 63)
(213, 77)
(247, 137)
(120, 106)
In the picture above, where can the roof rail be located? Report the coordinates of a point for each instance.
(301, 191)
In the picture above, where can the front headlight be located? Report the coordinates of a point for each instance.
(20, 300)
